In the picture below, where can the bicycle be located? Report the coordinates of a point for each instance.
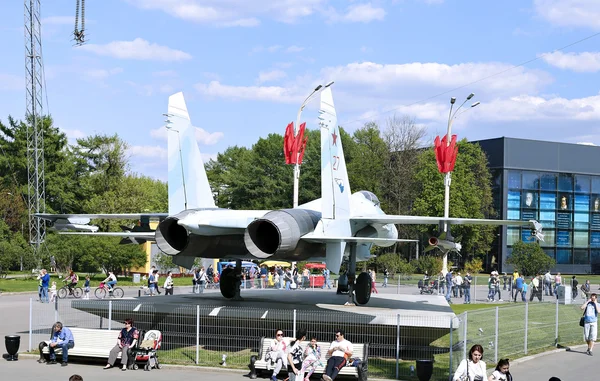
(103, 290)
(65, 291)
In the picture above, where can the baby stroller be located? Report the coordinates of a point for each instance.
(145, 352)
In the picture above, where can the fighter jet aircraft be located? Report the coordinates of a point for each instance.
(339, 225)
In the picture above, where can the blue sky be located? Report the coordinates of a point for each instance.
(246, 65)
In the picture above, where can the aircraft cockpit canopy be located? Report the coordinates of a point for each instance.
(370, 196)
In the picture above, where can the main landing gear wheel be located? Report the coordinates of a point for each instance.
(362, 289)
(227, 283)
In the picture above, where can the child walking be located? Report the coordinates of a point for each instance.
(501, 373)
(53, 295)
(86, 288)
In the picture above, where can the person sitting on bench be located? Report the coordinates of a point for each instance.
(339, 350)
(127, 339)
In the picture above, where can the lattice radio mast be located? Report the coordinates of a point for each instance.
(34, 120)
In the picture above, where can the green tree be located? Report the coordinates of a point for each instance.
(429, 264)
(470, 195)
(474, 266)
(369, 153)
(530, 259)
(106, 159)
(13, 249)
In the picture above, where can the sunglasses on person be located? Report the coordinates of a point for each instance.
(280, 334)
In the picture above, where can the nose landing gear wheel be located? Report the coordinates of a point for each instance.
(362, 289)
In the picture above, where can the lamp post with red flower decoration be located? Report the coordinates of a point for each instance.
(445, 155)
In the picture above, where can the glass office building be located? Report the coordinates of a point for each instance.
(557, 184)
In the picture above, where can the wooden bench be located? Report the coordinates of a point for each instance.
(258, 364)
(90, 343)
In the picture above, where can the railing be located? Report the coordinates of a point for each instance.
(202, 335)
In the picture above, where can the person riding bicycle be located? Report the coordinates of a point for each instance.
(110, 281)
(71, 281)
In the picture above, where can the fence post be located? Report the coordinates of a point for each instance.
(30, 321)
(397, 346)
(475, 289)
(197, 334)
(451, 346)
(526, 324)
(496, 340)
(465, 336)
(295, 322)
(556, 328)
(109, 314)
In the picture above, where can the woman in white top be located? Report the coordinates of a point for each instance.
(472, 369)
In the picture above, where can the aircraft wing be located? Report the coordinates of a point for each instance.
(423, 220)
(123, 216)
(321, 239)
(143, 235)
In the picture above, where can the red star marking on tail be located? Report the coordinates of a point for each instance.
(334, 136)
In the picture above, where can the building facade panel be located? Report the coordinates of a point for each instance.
(557, 184)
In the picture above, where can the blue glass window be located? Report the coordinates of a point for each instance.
(549, 237)
(549, 252)
(548, 219)
(565, 183)
(563, 220)
(580, 257)
(514, 199)
(582, 183)
(563, 257)
(596, 221)
(595, 184)
(514, 179)
(563, 238)
(595, 239)
(548, 181)
(582, 202)
(512, 236)
(526, 236)
(531, 180)
(548, 201)
(580, 239)
(513, 214)
(582, 221)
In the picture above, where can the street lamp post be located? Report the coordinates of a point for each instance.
(448, 177)
(296, 129)
(170, 128)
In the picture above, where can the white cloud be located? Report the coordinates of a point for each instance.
(202, 136)
(144, 90)
(148, 152)
(138, 49)
(261, 93)
(576, 13)
(11, 82)
(364, 13)
(580, 62)
(416, 76)
(294, 49)
(207, 138)
(73, 134)
(100, 74)
(269, 76)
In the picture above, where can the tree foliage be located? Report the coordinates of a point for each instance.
(530, 259)
(474, 266)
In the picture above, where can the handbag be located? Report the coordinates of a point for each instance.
(465, 377)
(582, 321)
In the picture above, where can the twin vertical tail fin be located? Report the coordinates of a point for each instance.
(187, 180)
(335, 188)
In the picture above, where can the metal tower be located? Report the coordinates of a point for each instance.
(34, 120)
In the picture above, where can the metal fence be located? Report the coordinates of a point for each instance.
(203, 335)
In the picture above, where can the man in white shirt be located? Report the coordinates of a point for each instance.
(339, 350)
